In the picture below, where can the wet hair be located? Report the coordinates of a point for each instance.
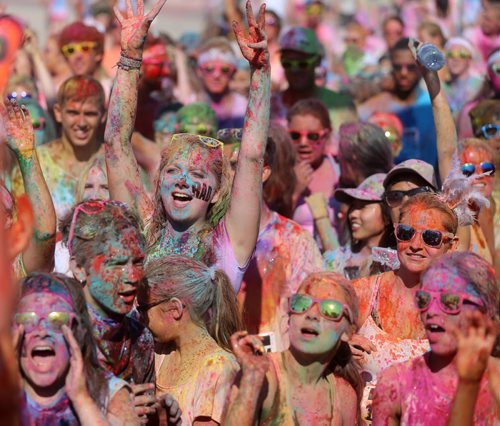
(97, 161)
(79, 32)
(206, 292)
(95, 375)
(219, 166)
(343, 364)
(485, 112)
(366, 145)
(313, 107)
(477, 272)
(430, 201)
(80, 88)
(92, 231)
(476, 144)
(278, 189)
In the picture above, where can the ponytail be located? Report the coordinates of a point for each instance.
(226, 318)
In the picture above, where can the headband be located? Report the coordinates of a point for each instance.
(49, 284)
(216, 54)
(462, 42)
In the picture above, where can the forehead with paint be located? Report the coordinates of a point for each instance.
(81, 89)
(464, 272)
(53, 293)
(425, 211)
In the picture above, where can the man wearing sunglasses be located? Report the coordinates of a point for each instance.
(83, 49)
(217, 65)
(411, 103)
(301, 53)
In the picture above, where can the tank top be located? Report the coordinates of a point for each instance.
(390, 350)
(283, 412)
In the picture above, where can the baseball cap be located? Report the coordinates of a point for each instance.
(301, 39)
(418, 167)
(371, 189)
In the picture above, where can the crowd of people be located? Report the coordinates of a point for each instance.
(285, 218)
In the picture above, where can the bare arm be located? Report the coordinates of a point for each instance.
(246, 399)
(319, 209)
(243, 216)
(123, 172)
(39, 255)
(386, 406)
(446, 132)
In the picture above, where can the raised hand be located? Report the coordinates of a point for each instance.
(135, 26)
(249, 352)
(475, 343)
(20, 135)
(253, 45)
(76, 386)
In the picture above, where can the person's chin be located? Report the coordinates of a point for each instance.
(415, 263)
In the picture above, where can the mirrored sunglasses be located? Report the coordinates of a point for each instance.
(431, 237)
(449, 303)
(330, 309)
(468, 169)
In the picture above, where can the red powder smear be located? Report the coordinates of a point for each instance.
(97, 263)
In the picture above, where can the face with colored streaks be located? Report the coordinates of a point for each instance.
(115, 273)
(416, 256)
(438, 323)
(44, 352)
(187, 185)
(80, 120)
(476, 156)
(365, 220)
(310, 332)
(309, 137)
(96, 187)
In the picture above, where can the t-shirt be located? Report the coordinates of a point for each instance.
(214, 248)
(206, 392)
(284, 255)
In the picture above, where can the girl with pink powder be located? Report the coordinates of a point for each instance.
(454, 289)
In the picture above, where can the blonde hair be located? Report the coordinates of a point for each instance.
(218, 166)
(96, 161)
(206, 292)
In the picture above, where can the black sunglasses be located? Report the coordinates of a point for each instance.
(430, 237)
(395, 198)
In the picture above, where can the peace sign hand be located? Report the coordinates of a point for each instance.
(253, 45)
(135, 26)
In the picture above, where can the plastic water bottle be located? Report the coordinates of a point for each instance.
(430, 57)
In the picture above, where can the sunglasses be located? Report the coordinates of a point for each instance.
(468, 169)
(72, 48)
(19, 95)
(408, 67)
(449, 303)
(90, 207)
(330, 309)
(221, 69)
(142, 309)
(53, 321)
(299, 64)
(297, 135)
(430, 237)
(395, 198)
(38, 123)
(205, 140)
(489, 131)
(458, 54)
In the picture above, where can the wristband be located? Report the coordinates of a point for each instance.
(126, 63)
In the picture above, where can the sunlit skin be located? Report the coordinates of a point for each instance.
(414, 255)
(405, 79)
(456, 65)
(477, 156)
(80, 120)
(311, 152)
(44, 355)
(306, 345)
(84, 63)
(188, 167)
(443, 342)
(366, 222)
(96, 187)
(113, 275)
(217, 81)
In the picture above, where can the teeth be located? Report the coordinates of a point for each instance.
(42, 348)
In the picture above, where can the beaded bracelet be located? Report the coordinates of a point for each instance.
(127, 63)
